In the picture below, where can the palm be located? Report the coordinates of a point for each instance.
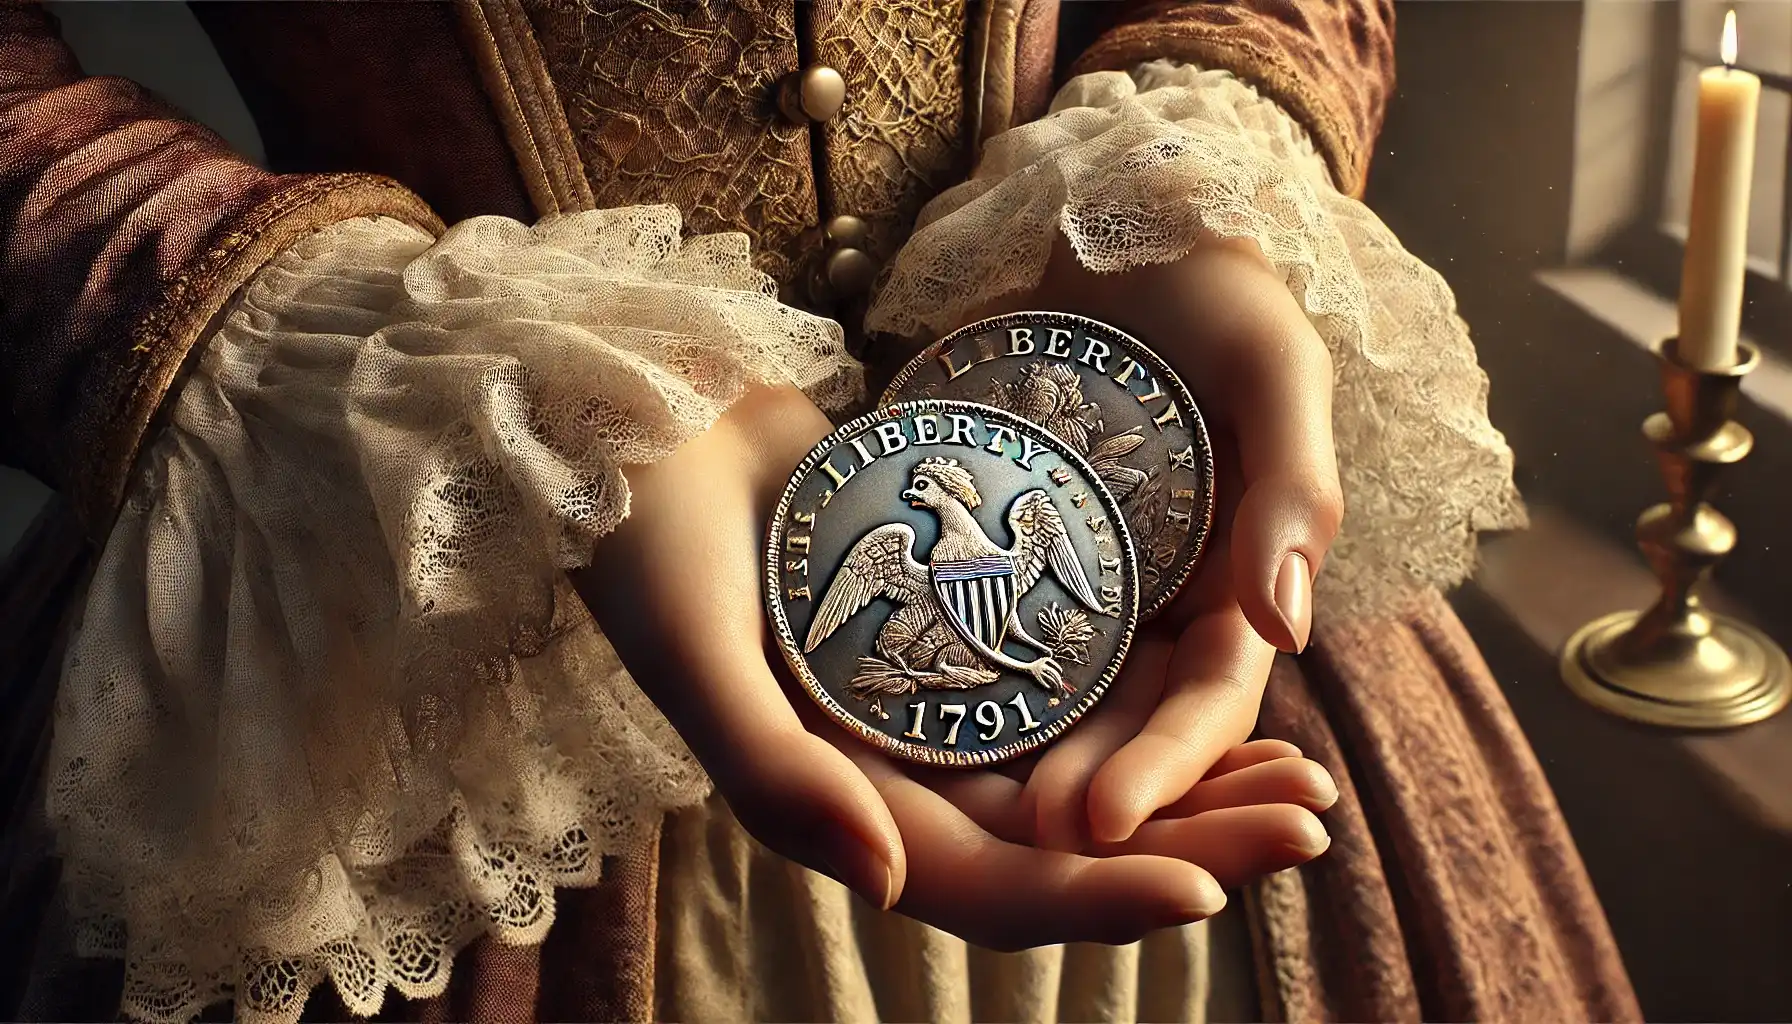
(1194, 680)
(1183, 701)
(676, 589)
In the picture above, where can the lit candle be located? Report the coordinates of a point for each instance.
(1717, 228)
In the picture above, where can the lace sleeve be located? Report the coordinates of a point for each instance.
(1130, 169)
(333, 709)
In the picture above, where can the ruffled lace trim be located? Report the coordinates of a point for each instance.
(1131, 169)
(333, 710)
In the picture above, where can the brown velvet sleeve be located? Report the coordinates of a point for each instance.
(124, 230)
(1329, 63)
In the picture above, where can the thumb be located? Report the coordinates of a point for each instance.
(1280, 535)
(1278, 408)
(807, 801)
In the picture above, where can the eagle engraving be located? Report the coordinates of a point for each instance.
(1051, 395)
(955, 612)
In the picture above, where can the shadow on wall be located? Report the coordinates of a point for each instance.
(1475, 174)
(1476, 158)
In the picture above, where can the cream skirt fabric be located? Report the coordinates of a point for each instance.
(746, 935)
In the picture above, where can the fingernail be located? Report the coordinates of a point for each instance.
(1200, 906)
(1116, 830)
(857, 867)
(1328, 791)
(1294, 598)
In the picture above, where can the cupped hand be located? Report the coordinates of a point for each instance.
(1193, 684)
(677, 591)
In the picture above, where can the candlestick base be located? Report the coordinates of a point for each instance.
(1677, 664)
(1706, 672)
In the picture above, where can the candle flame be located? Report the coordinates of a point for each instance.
(1728, 48)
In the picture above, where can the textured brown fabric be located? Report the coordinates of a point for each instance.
(1453, 890)
(616, 917)
(1330, 63)
(675, 103)
(1035, 53)
(123, 231)
(993, 40)
(493, 984)
(900, 140)
(1009, 69)
(379, 88)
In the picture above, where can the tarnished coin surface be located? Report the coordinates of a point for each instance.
(951, 582)
(1108, 397)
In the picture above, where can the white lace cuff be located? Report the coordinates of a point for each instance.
(334, 710)
(1131, 169)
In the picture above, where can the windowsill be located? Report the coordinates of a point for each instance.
(1558, 575)
(1645, 318)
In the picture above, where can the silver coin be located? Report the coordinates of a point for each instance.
(1109, 397)
(950, 582)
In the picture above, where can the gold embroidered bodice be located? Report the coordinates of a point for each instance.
(677, 102)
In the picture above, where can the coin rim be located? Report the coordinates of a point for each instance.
(1179, 391)
(799, 664)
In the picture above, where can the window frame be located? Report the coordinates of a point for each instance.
(1649, 250)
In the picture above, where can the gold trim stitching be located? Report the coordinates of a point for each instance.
(516, 80)
(163, 338)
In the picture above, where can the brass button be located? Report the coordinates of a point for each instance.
(850, 272)
(812, 94)
(848, 232)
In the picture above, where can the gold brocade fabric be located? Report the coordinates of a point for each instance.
(900, 139)
(676, 103)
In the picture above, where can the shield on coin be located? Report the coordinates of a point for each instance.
(950, 582)
(1108, 397)
(977, 594)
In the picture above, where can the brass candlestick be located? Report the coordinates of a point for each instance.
(1678, 664)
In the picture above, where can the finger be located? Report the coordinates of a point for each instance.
(1278, 409)
(995, 801)
(1057, 792)
(790, 789)
(1007, 896)
(1285, 780)
(1237, 844)
(1277, 405)
(1212, 691)
(1000, 806)
(820, 811)
(1246, 754)
(796, 794)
